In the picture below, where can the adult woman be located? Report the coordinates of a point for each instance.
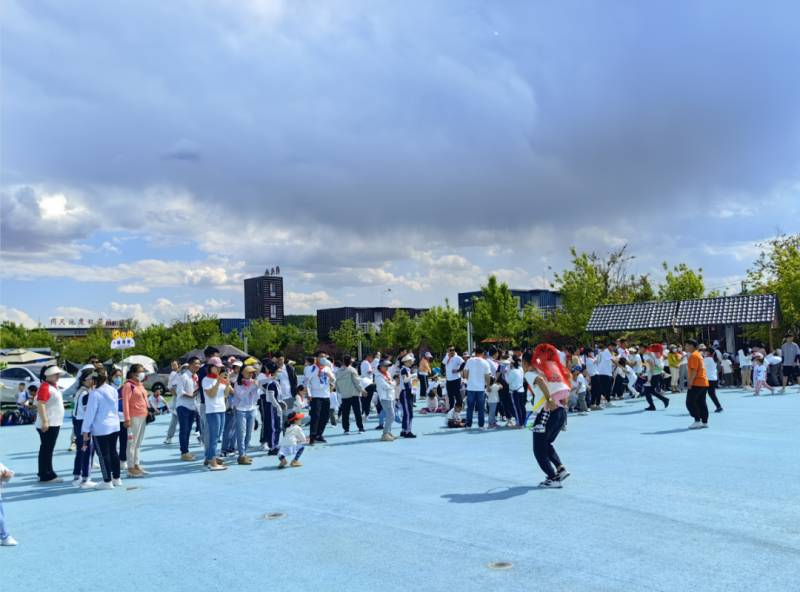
(386, 395)
(245, 397)
(516, 385)
(50, 416)
(134, 409)
(406, 398)
(545, 372)
(745, 366)
(423, 372)
(215, 386)
(83, 457)
(115, 381)
(101, 425)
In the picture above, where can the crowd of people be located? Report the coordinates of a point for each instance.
(224, 403)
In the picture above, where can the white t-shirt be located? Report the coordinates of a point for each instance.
(452, 366)
(515, 380)
(366, 370)
(184, 389)
(603, 362)
(580, 385)
(453, 414)
(294, 436)
(245, 396)
(727, 366)
(493, 393)
(318, 381)
(478, 368)
(22, 397)
(214, 404)
(283, 381)
(53, 405)
(711, 367)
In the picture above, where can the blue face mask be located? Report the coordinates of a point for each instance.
(117, 381)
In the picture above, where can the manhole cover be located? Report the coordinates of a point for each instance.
(131, 488)
(501, 565)
(274, 516)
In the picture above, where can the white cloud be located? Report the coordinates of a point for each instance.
(132, 289)
(15, 315)
(300, 302)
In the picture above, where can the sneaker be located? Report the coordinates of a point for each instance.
(550, 484)
(296, 463)
(133, 473)
(76, 481)
(562, 474)
(387, 438)
(283, 464)
(73, 447)
(696, 425)
(321, 439)
(666, 403)
(346, 433)
(116, 482)
(123, 465)
(88, 484)
(362, 431)
(273, 452)
(265, 447)
(380, 427)
(703, 426)
(216, 467)
(9, 541)
(188, 456)
(244, 460)
(718, 410)
(168, 441)
(105, 485)
(651, 408)
(410, 435)
(583, 413)
(52, 481)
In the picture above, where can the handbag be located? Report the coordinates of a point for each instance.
(151, 415)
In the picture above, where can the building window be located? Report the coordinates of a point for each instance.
(273, 311)
(272, 289)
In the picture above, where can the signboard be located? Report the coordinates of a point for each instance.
(122, 340)
(89, 322)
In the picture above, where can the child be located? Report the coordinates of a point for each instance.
(727, 370)
(760, 374)
(6, 540)
(293, 441)
(579, 388)
(454, 417)
(157, 401)
(493, 397)
(433, 388)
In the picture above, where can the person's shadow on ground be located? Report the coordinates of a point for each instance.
(492, 495)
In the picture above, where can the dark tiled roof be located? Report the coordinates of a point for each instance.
(740, 310)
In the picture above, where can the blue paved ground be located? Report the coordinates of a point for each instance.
(650, 506)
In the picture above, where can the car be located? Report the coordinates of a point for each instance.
(11, 376)
(160, 377)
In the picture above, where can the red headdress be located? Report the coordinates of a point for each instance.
(657, 349)
(546, 362)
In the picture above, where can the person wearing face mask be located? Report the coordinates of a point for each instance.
(245, 397)
(215, 385)
(115, 380)
(83, 458)
(134, 408)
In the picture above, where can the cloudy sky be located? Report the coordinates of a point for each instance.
(156, 153)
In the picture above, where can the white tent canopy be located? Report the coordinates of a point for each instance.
(148, 363)
(24, 356)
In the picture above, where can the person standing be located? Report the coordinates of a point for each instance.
(50, 416)
(134, 408)
(245, 397)
(745, 367)
(208, 353)
(516, 384)
(215, 386)
(452, 363)
(186, 389)
(406, 396)
(385, 392)
(604, 364)
(101, 424)
(698, 386)
(479, 375)
(348, 386)
(318, 382)
(790, 352)
(287, 382)
(172, 385)
(674, 362)
(423, 373)
(654, 372)
(82, 467)
(368, 369)
(710, 362)
(271, 408)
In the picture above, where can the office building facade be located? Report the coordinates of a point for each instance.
(263, 298)
(547, 300)
(329, 319)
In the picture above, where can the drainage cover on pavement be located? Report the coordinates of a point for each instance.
(274, 516)
(500, 565)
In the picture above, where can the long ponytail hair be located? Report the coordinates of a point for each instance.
(546, 362)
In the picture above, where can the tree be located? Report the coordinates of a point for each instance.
(262, 337)
(150, 342)
(495, 313)
(681, 283)
(13, 335)
(97, 342)
(441, 327)
(405, 332)
(347, 336)
(777, 271)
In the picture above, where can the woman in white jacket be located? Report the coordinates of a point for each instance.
(386, 394)
(101, 423)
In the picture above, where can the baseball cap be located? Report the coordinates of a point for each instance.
(214, 361)
(52, 370)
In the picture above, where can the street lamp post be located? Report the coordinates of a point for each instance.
(468, 303)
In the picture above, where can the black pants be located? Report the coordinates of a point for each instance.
(353, 403)
(107, 455)
(454, 392)
(506, 405)
(123, 442)
(712, 392)
(594, 390)
(543, 448)
(83, 458)
(407, 406)
(619, 386)
(320, 414)
(654, 389)
(520, 400)
(696, 403)
(47, 443)
(603, 387)
(367, 399)
(423, 386)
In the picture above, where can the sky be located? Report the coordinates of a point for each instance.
(154, 154)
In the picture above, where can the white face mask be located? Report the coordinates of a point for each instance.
(140, 376)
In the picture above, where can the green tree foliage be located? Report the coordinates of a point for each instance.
(404, 331)
(96, 343)
(495, 312)
(681, 283)
(442, 326)
(13, 335)
(346, 337)
(777, 271)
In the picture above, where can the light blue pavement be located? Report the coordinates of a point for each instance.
(650, 506)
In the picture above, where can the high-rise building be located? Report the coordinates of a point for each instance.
(546, 300)
(263, 296)
(329, 319)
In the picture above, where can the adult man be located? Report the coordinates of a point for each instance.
(348, 385)
(367, 370)
(452, 368)
(604, 364)
(790, 352)
(319, 377)
(287, 382)
(478, 373)
(186, 387)
(172, 385)
(698, 386)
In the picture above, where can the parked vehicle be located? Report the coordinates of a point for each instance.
(10, 377)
